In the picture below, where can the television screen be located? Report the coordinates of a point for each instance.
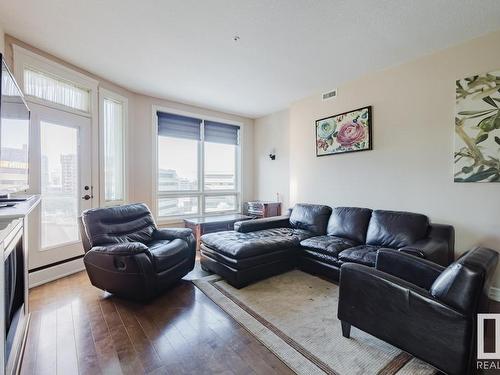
(14, 136)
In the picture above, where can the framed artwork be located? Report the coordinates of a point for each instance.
(346, 132)
(477, 128)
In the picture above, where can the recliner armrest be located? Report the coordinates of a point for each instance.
(261, 224)
(172, 233)
(126, 248)
(435, 250)
(415, 270)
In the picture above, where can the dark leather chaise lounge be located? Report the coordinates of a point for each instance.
(126, 254)
(319, 240)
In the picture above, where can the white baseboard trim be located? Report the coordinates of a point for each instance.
(56, 272)
(494, 294)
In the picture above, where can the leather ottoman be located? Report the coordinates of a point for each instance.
(242, 258)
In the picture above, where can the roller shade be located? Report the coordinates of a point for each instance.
(170, 125)
(221, 133)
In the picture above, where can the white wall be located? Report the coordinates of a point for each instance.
(411, 165)
(2, 39)
(271, 134)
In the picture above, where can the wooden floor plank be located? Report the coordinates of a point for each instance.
(165, 322)
(129, 362)
(172, 362)
(46, 356)
(88, 361)
(30, 351)
(145, 350)
(105, 350)
(67, 362)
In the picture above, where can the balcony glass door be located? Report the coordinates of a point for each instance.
(63, 180)
(59, 184)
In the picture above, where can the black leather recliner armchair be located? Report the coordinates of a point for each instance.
(418, 306)
(126, 254)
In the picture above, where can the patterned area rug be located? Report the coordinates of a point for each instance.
(295, 316)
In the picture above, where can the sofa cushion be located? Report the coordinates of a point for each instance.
(396, 229)
(349, 222)
(362, 254)
(323, 258)
(310, 217)
(243, 245)
(330, 245)
(166, 254)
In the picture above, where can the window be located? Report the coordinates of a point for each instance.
(56, 90)
(59, 184)
(198, 166)
(113, 123)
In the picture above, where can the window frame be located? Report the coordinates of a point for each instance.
(201, 193)
(111, 95)
(24, 58)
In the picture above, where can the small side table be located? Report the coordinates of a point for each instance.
(211, 224)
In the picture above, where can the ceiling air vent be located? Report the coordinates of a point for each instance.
(329, 95)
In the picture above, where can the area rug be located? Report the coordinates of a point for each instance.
(295, 316)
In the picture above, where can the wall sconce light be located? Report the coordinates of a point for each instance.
(272, 155)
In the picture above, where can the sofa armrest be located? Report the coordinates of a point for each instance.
(126, 248)
(353, 275)
(435, 250)
(446, 233)
(465, 284)
(261, 224)
(172, 233)
(383, 286)
(417, 271)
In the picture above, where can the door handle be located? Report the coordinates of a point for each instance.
(86, 197)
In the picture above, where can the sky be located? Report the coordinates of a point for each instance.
(14, 133)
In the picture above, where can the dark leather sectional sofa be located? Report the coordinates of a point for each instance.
(319, 239)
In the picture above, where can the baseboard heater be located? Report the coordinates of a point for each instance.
(54, 271)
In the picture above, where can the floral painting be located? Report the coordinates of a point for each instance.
(477, 128)
(346, 132)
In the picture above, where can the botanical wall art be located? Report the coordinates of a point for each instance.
(346, 132)
(477, 128)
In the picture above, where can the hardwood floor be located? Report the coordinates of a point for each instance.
(77, 329)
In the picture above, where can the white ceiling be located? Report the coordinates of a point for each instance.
(288, 49)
